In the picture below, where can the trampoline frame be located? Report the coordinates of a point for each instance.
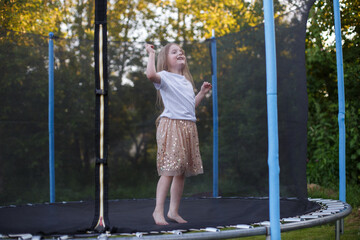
(330, 211)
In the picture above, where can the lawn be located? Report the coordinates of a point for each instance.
(326, 232)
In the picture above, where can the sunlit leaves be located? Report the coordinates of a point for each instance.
(35, 16)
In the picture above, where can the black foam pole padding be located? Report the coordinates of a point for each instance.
(100, 11)
(100, 19)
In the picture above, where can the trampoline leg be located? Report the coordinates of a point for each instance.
(268, 235)
(342, 226)
(337, 230)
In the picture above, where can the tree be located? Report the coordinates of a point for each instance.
(36, 16)
(132, 96)
(322, 91)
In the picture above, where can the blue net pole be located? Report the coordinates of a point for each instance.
(341, 96)
(273, 142)
(51, 119)
(215, 119)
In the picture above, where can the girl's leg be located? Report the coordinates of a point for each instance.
(161, 193)
(176, 192)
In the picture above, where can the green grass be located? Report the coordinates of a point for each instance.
(323, 232)
(327, 231)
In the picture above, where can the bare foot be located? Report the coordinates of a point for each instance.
(176, 217)
(159, 218)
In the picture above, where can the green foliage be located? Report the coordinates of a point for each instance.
(323, 137)
(35, 16)
(322, 146)
(132, 143)
(18, 115)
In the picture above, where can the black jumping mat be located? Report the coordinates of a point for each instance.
(130, 216)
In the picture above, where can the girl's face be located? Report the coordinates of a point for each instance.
(176, 58)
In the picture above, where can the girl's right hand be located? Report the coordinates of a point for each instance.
(149, 48)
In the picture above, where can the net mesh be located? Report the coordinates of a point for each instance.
(243, 169)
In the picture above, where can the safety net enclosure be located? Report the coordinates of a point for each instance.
(243, 169)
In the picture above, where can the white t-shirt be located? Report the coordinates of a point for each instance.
(178, 96)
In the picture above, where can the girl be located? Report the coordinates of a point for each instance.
(178, 154)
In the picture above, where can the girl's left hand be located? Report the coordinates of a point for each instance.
(206, 87)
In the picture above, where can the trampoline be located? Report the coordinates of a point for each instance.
(240, 217)
(243, 143)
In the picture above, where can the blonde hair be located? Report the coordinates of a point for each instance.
(162, 64)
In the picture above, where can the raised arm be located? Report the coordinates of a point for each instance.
(205, 88)
(151, 73)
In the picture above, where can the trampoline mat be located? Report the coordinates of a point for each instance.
(130, 216)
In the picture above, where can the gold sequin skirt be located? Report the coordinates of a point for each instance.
(178, 148)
